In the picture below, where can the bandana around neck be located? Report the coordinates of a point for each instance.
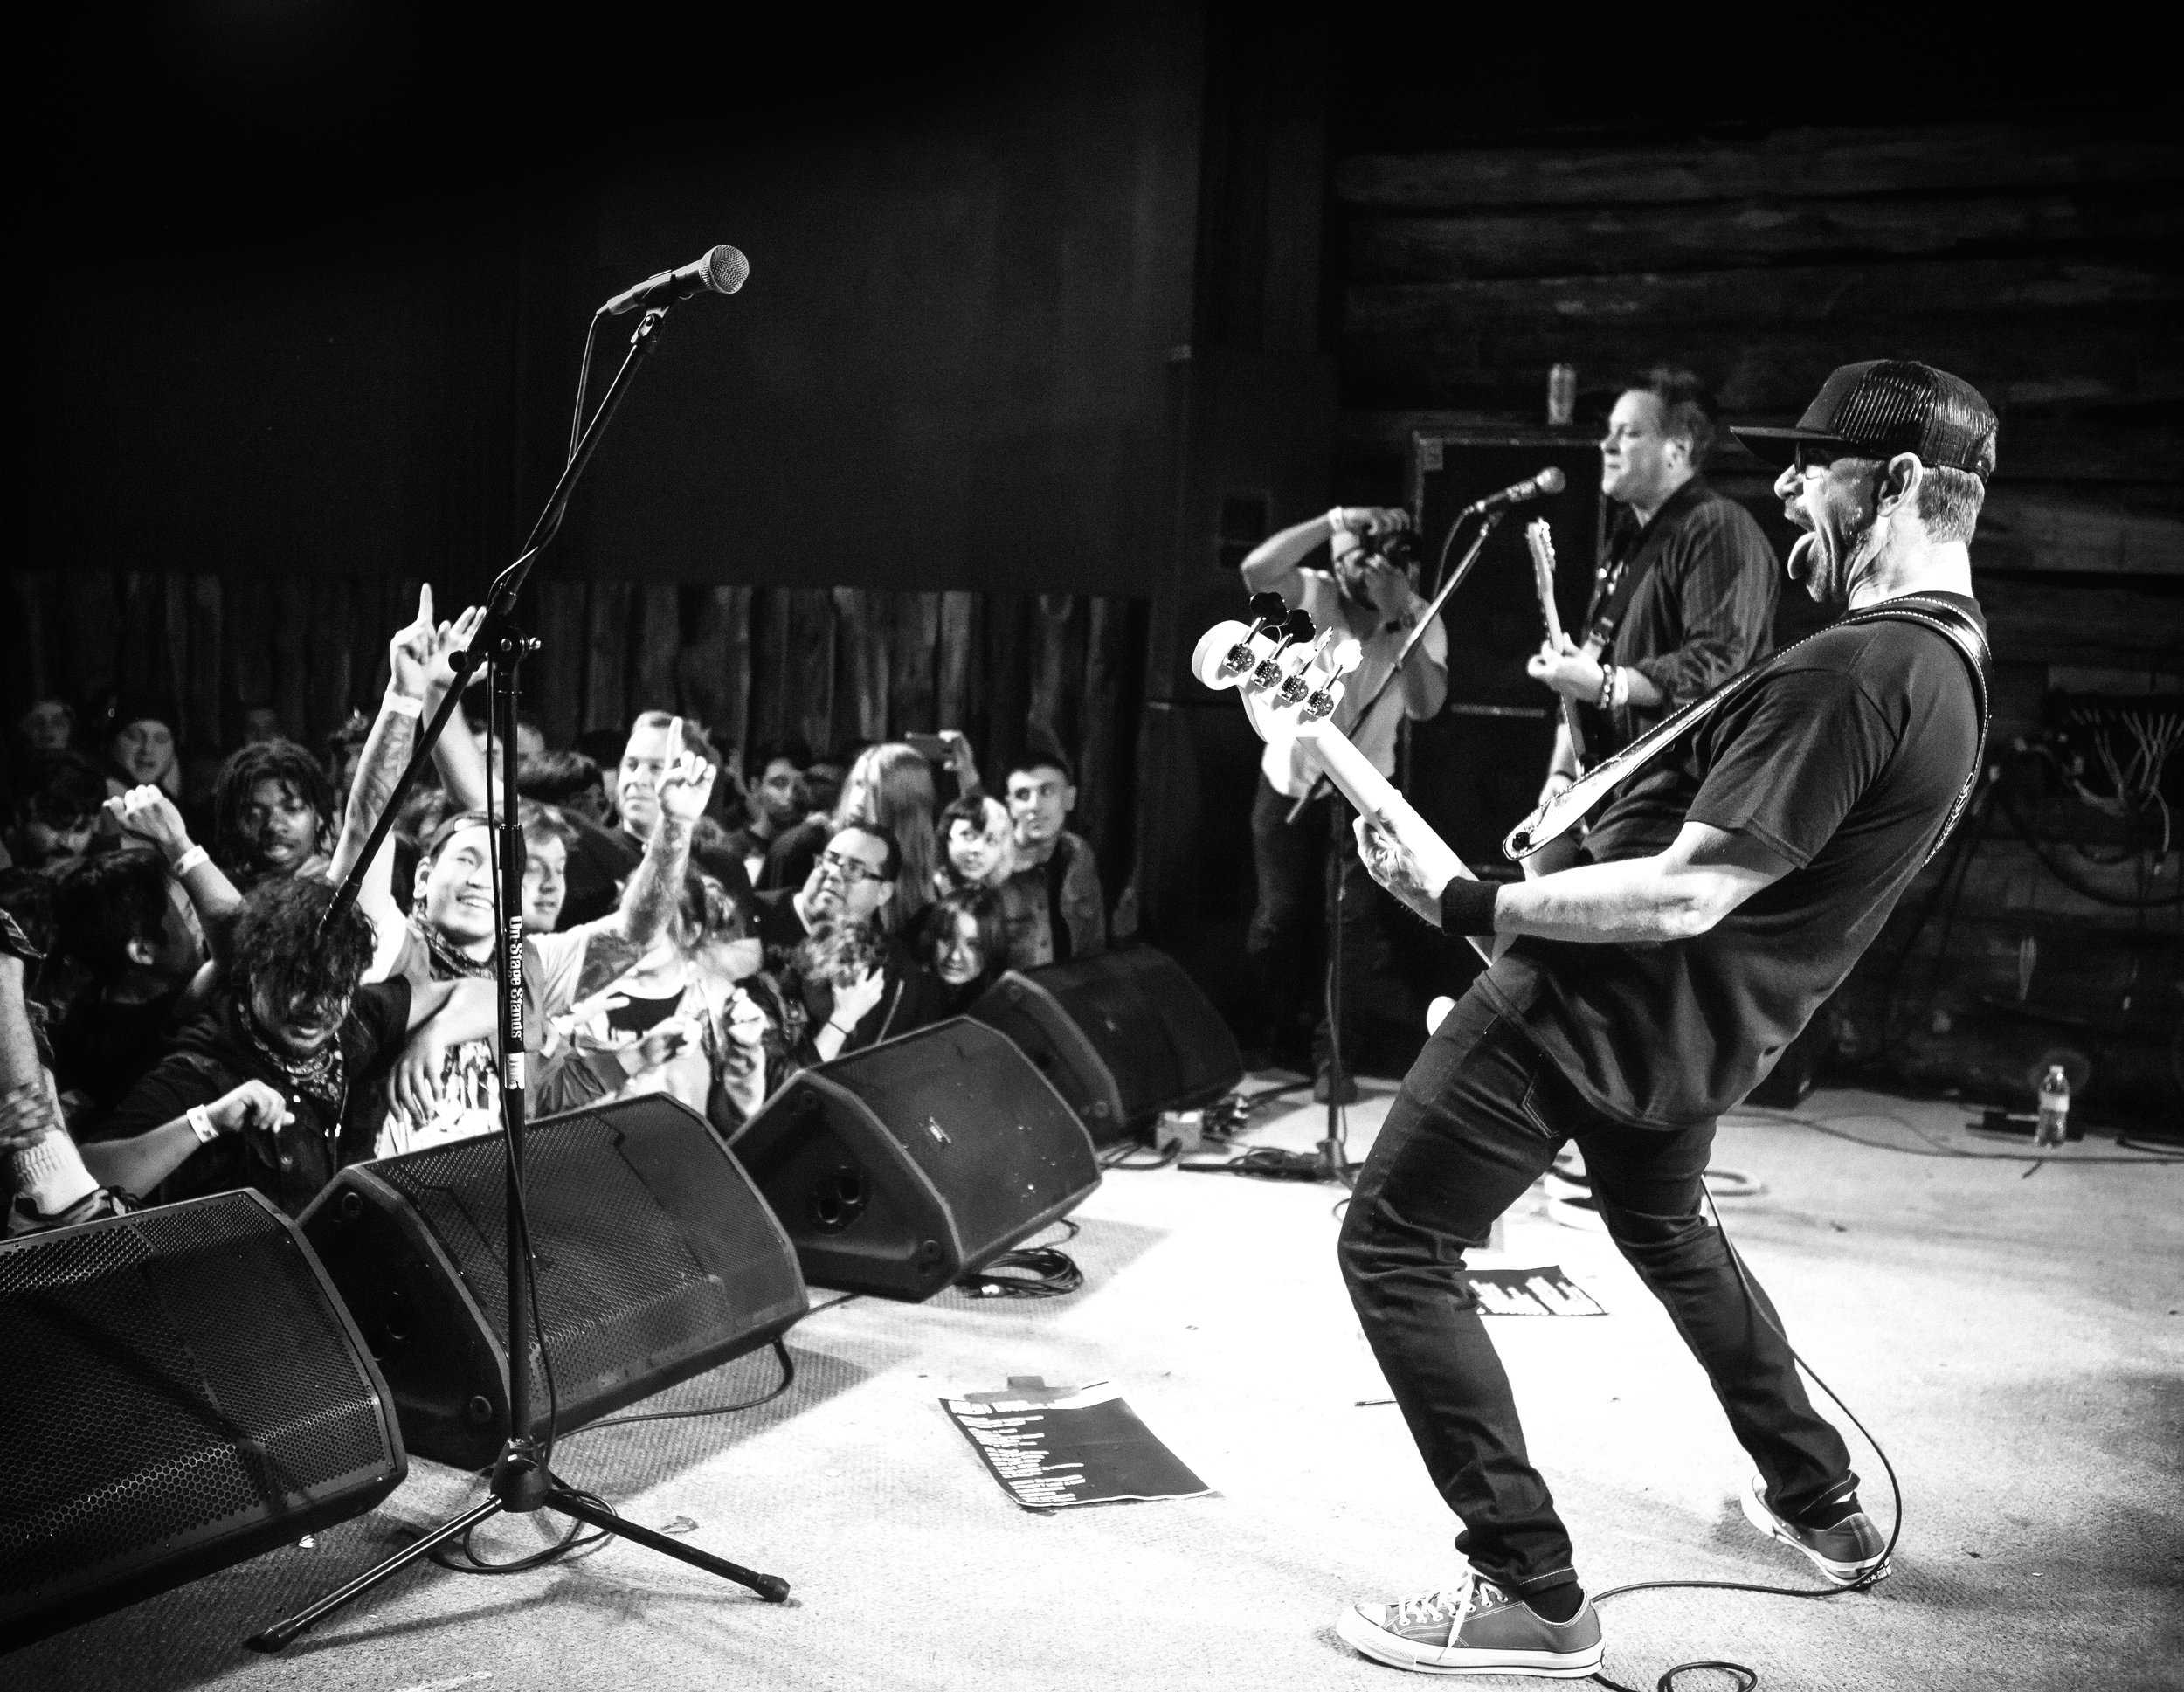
(448, 964)
(323, 1075)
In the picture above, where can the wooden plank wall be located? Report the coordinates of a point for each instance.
(2036, 261)
(831, 665)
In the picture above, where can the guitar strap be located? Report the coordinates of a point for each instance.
(1558, 815)
(1630, 574)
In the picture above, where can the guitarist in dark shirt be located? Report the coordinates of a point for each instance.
(1631, 1003)
(1684, 600)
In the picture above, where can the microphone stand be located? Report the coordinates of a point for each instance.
(1329, 1149)
(523, 1480)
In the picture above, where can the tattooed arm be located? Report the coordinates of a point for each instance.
(649, 898)
(386, 752)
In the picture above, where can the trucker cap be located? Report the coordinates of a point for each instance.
(1890, 405)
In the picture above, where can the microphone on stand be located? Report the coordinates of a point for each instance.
(1549, 480)
(722, 271)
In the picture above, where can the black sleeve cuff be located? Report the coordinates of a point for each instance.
(1467, 906)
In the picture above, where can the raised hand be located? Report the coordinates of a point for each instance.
(148, 813)
(854, 998)
(410, 652)
(687, 784)
(741, 1020)
(448, 640)
(665, 1041)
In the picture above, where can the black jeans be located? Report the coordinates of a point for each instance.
(1298, 870)
(1480, 1117)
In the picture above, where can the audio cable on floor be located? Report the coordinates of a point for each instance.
(1749, 1678)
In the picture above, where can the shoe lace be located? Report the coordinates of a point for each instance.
(1449, 1604)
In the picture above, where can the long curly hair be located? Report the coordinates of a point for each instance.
(279, 946)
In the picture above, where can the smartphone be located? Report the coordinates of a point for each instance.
(932, 748)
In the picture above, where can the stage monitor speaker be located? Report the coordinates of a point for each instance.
(182, 1390)
(901, 1168)
(1123, 1036)
(656, 1261)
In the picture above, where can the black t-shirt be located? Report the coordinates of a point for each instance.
(599, 860)
(102, 1046)
(1704, 613)
(216, 1054)
(1845, 761)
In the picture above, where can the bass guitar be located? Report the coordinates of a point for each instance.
(1289, 683)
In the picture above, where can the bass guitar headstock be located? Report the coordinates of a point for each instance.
(1288, 676)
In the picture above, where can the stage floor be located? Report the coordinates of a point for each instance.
(2008, 1331)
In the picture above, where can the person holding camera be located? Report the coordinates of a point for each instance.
(1365, 591)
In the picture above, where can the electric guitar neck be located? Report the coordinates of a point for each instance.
(1541, 541)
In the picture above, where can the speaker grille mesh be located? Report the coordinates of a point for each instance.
(617, 1279)
(169, 1373)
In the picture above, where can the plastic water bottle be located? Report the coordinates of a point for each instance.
(2054, 1108)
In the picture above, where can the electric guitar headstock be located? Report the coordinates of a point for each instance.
(1540, 539)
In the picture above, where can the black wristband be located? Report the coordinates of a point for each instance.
(1467, 906)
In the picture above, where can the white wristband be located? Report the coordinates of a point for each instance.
(190, 860)
(1336, 519)
(401, 705)
(200, 1121)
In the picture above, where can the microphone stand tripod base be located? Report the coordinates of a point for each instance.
(521, 1473)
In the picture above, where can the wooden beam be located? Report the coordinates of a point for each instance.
(1801, 293)
(2140, 446)
(556, 673)
(202, 688)
(2044, 621)
(912, 669)
(1597, 240)
(656, 637)
(959, 641)
(2118, 356)
(1811, 161)
(606, 656)
(2048, 530)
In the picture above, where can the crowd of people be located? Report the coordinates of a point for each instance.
(183, 1011)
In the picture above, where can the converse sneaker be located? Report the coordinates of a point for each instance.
(1475, 1629)
(1852, 1553)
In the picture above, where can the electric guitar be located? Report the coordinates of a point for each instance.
(1540, 539)
(1289, 683)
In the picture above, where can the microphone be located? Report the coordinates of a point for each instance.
(1549, 480)
(722, 271)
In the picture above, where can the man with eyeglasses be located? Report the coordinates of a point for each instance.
(856, 986)
(1630, 1004)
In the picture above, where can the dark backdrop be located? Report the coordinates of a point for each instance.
(310, 293)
